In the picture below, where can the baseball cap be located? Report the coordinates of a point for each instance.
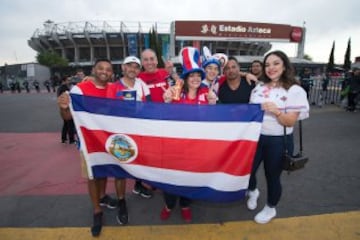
(132, 59)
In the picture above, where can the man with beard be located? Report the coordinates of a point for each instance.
(235, 89)
(97, 86)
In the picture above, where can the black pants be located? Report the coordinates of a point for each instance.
(351, 100)
(270, 150)
(170, 201)
(68, 129)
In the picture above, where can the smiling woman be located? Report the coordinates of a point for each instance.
(284, 102)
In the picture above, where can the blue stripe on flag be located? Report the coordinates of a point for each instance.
(178, 112)
(199, 193)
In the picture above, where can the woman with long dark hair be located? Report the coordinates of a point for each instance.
(284, 102)
(190, 91)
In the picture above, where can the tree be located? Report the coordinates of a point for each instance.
(156, 46)
(347, 61)
(307, 57)
(51, 59)
(330, 65)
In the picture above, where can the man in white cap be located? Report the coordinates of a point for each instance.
(130, 87)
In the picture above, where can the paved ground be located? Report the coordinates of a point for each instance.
(43, 196)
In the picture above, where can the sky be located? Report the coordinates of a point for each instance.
(326, 22)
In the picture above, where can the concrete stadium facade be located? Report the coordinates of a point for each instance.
(84, 42)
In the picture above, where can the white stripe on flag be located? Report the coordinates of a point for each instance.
(217, 180)
(228, 131)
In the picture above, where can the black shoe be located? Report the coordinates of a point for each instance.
(97, 225)
(109, 202)
(139, 189)
(122, 216)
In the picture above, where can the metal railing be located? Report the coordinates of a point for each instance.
(325, 90)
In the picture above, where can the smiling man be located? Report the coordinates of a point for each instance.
(97, 86)
(130, 87)
(156, 78)
(235, 89)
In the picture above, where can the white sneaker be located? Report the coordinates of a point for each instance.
(252, 200)
(265, 215)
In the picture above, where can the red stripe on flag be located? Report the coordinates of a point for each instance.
(232, 157)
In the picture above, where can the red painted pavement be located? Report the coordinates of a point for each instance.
(38, 164)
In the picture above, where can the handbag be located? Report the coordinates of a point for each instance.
(298, 161)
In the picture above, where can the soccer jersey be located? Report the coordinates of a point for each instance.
(88, 88)
(201, 97)
(292, 100)
(215, 85)
(156, 83)
(139, 92)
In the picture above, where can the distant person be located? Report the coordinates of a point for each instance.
(305, 81)
(47, 85)
(256, 69)
(17, 87)
(26, 86)
(325, 81)
(1, 87)
(11, 85)
(354, 90)
(172, 74)
(284, 102)
(68, 129)
(36, 85)
(345, 88)
(78, 77)
(54, 83)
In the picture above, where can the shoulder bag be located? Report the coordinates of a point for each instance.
(298, 161)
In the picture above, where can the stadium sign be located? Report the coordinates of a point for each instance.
(236, 31)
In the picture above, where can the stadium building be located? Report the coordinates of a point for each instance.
(84, 42)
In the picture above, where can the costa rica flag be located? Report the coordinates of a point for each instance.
(197, 151)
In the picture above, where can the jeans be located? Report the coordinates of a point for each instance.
(270, 150)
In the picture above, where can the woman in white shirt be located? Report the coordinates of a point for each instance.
(284, 102)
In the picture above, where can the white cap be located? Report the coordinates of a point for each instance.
(132, 59)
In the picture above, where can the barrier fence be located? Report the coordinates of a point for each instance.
(321, 90)
(325, 90)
